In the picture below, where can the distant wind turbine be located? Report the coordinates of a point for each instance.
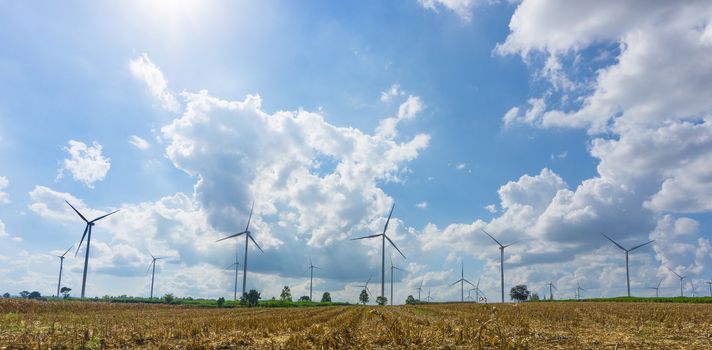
(551, 291)
(627, 274)
(501, 259)
(428, 298)
(311, 277)
(477, 290)
(393, 268)
(237, 267)
(248, 238)
(61, 265)
(462, 282)
(694, 291)
(578, 290)
(153, 274)
(365, 285)
(87, 230)
(384, 237)
(710, 284)
(657, 288)
(420, 288)
(680, 277)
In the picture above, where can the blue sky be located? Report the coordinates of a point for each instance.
(548, 123)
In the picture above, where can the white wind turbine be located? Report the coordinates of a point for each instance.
(462, 282)
(248, 238)
(501, 259)
(680, 277)
(627, 274)
(393, 268)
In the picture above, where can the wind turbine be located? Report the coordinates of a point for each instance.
(237, 267)
(153, 274)
(477, 290)
(680, 277)
(462, 281)
(87, 229)
(383, 250)
(657, 288)
(692, 286)
(710, 284)
(428, 298)
(501, 259)
(393, 268)
(627, 274)
(578, 290)
(311, 277)
(61, 265)
(420, 288)
(248, 238)
(551, 292)
(365, 286)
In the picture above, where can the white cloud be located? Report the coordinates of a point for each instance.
(463, 8)
(86, 163)
(560, 155)
(408, 109)
(460, 166)
(3, 233)
(422, 205)
(391, 93)
(139, 142)
(4, 197)
(142, 68)
(492, 208)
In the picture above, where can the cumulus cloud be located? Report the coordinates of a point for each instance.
(144, 69)
(422, 205)
(463, 8)
(391, 93)
(3, 233)
(86, 163)
(139, 142)
(4, 197)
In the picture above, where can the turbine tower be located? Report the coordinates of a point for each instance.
(710, 284)
(237, 267)
(153, 274)
(501, 259)
(477, 290)
(680, 277)
(462, 281)
(365, 285)
(627, 274)
(393, 268)
(87, 230)
(61, 265)
(551, 292)
(428, 298)
(384, 237)
(248, 238)
(657, 288)
(311, 277)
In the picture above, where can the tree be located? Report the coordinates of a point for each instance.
(534, 297)
(221, 302)
(363, 297)
(326, 297)
(65, 292)
(6, 295)
(168, 298)
(286, 294)
(519, 293)
(34, 295)
(251, 298)
(381, 300)
(24, 294)
(410, 300)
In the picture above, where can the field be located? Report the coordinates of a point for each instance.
(572, 325)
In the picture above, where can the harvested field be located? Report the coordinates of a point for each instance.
(583, 325)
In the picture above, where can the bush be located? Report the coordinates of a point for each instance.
(168, 298)
(304, 298)
(326, 297)
(286, 294)
(34, 295)
(250, 299)
(410, 300)
(519, 293)
(221, 302)
(381, 300)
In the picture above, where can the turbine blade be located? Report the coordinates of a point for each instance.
(398, 268)
(231, 265)
(510, 244)
(70, 248)
(364, 237)
(478, 284)
(468, 282)
(661, 281)
(253, 241)
(77, 211)
(231, 236)
(638, 246)
(394, 245)
(105, 215)
(456, 282)
(494, 239)
(678, 276)
(250, 217)
(389, 218)
(149, 266)
(82, 240)
(614, 242)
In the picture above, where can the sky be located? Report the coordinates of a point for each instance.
(545, 123)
